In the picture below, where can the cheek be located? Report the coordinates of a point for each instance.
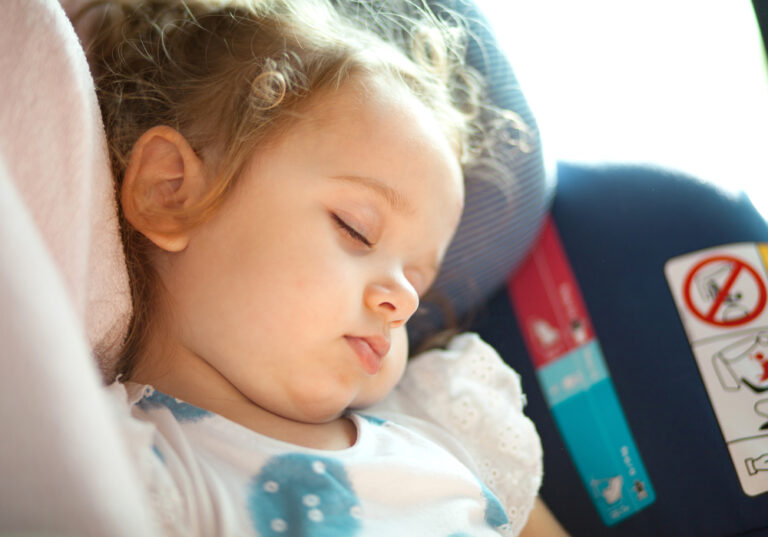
(317, 285)
(297, 273)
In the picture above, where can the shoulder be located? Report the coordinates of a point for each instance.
(471, 402)
(468, 365)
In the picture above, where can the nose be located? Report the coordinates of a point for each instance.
(394, 299)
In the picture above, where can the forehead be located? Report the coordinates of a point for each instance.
(375, 125)
(377, 97)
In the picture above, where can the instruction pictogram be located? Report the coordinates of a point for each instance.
(724, 291)
(721, 296)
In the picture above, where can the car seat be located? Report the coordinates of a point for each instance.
(65, 469)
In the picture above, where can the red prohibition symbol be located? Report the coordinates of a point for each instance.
(723, 294)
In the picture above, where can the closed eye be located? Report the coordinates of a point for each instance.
(352, 232)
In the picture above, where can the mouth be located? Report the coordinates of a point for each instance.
(370, 350)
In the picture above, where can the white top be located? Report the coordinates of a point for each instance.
(449, 453)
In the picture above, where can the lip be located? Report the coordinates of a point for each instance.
(370, 350)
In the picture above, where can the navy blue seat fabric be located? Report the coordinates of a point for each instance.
(619, 225)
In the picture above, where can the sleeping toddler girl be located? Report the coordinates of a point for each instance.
(289, 183)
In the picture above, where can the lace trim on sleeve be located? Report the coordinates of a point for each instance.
(471, 393)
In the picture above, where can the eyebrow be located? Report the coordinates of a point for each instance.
(394, 198)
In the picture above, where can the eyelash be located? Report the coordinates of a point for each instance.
(352, 232)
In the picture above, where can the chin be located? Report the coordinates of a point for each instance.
(318, 411)
(316, 417)
(368, 399)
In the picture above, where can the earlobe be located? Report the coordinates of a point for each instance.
(164, 178)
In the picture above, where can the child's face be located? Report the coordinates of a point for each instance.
(298, 289)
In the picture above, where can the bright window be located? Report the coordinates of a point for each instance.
(677, 83)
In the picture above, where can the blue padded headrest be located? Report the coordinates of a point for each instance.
(619, 226)
(506, 195)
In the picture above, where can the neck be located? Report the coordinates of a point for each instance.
(188, 377)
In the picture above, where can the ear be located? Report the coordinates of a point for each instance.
(164, 176)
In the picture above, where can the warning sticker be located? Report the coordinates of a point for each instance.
(721, 296)
(724, 291)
